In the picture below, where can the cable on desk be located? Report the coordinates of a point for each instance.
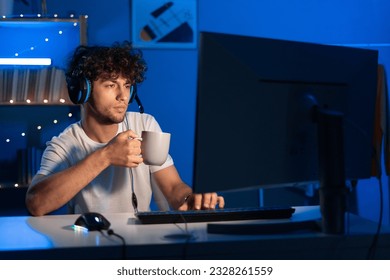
(377, 158)
(111, 232)
(374, 243)
(186, 236)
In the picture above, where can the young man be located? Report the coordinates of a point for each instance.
(96, 164)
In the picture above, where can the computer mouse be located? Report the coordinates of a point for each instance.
(92, 221)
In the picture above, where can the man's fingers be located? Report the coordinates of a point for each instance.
(131, 135)
(221, 202)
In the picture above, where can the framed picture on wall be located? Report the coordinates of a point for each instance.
(164, 24)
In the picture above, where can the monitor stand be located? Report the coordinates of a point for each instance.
(333, 190)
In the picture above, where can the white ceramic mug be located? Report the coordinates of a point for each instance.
(155, 147)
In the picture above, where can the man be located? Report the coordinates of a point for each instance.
(95, 165)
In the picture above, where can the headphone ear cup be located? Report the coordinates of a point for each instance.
(79, 89)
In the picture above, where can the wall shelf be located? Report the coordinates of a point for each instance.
(38, 37)
(34, 101)
(33, 86)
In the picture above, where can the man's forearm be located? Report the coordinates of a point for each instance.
(49, 193)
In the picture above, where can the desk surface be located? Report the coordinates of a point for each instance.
(53, 237)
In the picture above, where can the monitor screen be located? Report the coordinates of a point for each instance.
(254, 117)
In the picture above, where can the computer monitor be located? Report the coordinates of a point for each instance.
(257, 102)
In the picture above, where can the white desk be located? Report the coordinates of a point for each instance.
(53, 237)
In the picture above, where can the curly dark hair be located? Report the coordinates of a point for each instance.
(97, 62)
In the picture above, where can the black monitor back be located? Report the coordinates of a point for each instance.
(254, 125)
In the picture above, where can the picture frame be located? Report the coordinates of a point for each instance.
(164, 24)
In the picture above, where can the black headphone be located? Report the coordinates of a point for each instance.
(80, 87)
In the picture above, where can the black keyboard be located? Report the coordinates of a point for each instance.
(225, 214)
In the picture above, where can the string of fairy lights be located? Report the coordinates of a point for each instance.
(24, 54)
(45, 40)
(32, 131)
(40, 40)
(38, 128)
(33, 47)
(40, 125)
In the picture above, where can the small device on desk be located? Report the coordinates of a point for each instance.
(225, 214)
(92, 221)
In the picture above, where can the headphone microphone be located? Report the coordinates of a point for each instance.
(140, 107)
(134, 95)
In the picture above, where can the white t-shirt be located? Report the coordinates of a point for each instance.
(110, 191)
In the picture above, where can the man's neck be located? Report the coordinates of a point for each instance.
(98, 132)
